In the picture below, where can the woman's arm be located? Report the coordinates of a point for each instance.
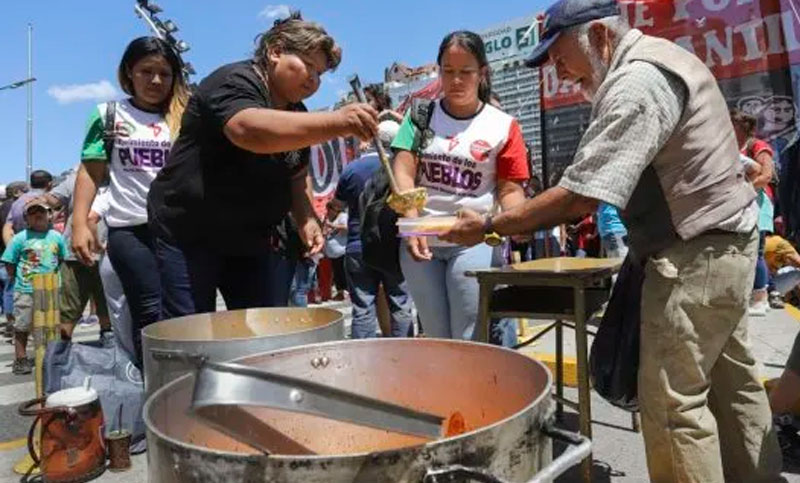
(90, 175)
(509, 193)
(266, 131)
(767, 168)
(405, 173)
(303, 213)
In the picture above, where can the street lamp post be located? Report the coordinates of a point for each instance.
(29, 136)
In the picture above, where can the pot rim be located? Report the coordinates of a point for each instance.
(338, 320)
(545, 394)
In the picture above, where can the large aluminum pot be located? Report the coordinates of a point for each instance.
(222, 336)
(504, 398)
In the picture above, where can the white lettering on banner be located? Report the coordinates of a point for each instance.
(788, 21)
(686, 43)
(749, 34)
(552, 85)
(639, 19)
(774, 34)
(716, 5)
(713, 45)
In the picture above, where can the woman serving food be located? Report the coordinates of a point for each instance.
(475, 158)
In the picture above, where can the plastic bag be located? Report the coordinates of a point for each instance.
(614, 358)
(116, 379)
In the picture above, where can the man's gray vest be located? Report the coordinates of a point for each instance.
(696, 181)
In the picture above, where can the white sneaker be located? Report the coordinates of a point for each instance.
(89, 321)
(758, 309)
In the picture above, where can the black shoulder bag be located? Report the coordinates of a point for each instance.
(380, 245)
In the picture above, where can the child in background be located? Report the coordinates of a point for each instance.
(36, 250)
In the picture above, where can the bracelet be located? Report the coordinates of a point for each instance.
(488, 226)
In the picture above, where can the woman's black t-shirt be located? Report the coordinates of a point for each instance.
(213, 192)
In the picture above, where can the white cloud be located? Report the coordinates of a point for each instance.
(332, 79)
(96, 91)
(275, 11)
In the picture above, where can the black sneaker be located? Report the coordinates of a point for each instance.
(21, 367)
(776, 300)
(788, 439)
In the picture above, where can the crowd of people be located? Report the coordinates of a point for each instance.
(182, 195)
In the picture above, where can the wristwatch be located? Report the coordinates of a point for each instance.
(489, 236)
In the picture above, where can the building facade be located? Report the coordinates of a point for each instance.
(507, 46)
(401, 80)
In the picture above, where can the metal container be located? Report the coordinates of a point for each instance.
(222, 336)
(503, 397)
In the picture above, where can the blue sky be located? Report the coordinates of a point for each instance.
(77, 46)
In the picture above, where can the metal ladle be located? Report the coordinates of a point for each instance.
(221, 389)
(399, 201)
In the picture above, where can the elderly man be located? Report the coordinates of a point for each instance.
(660, 146)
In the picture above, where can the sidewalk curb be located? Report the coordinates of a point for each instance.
(793, 311)
(569, 371)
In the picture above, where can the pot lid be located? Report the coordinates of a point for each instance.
(72, 397)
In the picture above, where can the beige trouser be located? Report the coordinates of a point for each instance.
(704, 412)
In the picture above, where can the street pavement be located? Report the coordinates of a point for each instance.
(618, 451)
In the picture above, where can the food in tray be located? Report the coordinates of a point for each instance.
(425, 226)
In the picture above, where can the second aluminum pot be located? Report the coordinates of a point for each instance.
(222, 336)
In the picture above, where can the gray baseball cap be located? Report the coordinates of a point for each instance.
(564, 14)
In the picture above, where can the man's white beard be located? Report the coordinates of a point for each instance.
(599, 68)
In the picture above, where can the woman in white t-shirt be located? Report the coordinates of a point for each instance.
(144, 126)
(475, 159)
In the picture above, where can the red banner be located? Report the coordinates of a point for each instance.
(733, 37)
(751, 46)
(327, 162)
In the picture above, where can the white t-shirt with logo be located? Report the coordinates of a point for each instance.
(140, 151)
(460, 166)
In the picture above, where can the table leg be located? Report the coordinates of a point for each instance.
(584, 395)
(482, 325)
(635, 423)
(559, 369)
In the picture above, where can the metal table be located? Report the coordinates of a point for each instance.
(557, 289)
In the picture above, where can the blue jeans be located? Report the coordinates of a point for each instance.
(131, 250)
(502, 331)
(446, 299)
(538, 248)
(762, 272)
(191, 275)
(8, 291)
(614, 245)
(786, 279)
(305, 276)
(363, 283)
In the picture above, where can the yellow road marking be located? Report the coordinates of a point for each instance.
(13, 444)
(793, 311)
(570, 369)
